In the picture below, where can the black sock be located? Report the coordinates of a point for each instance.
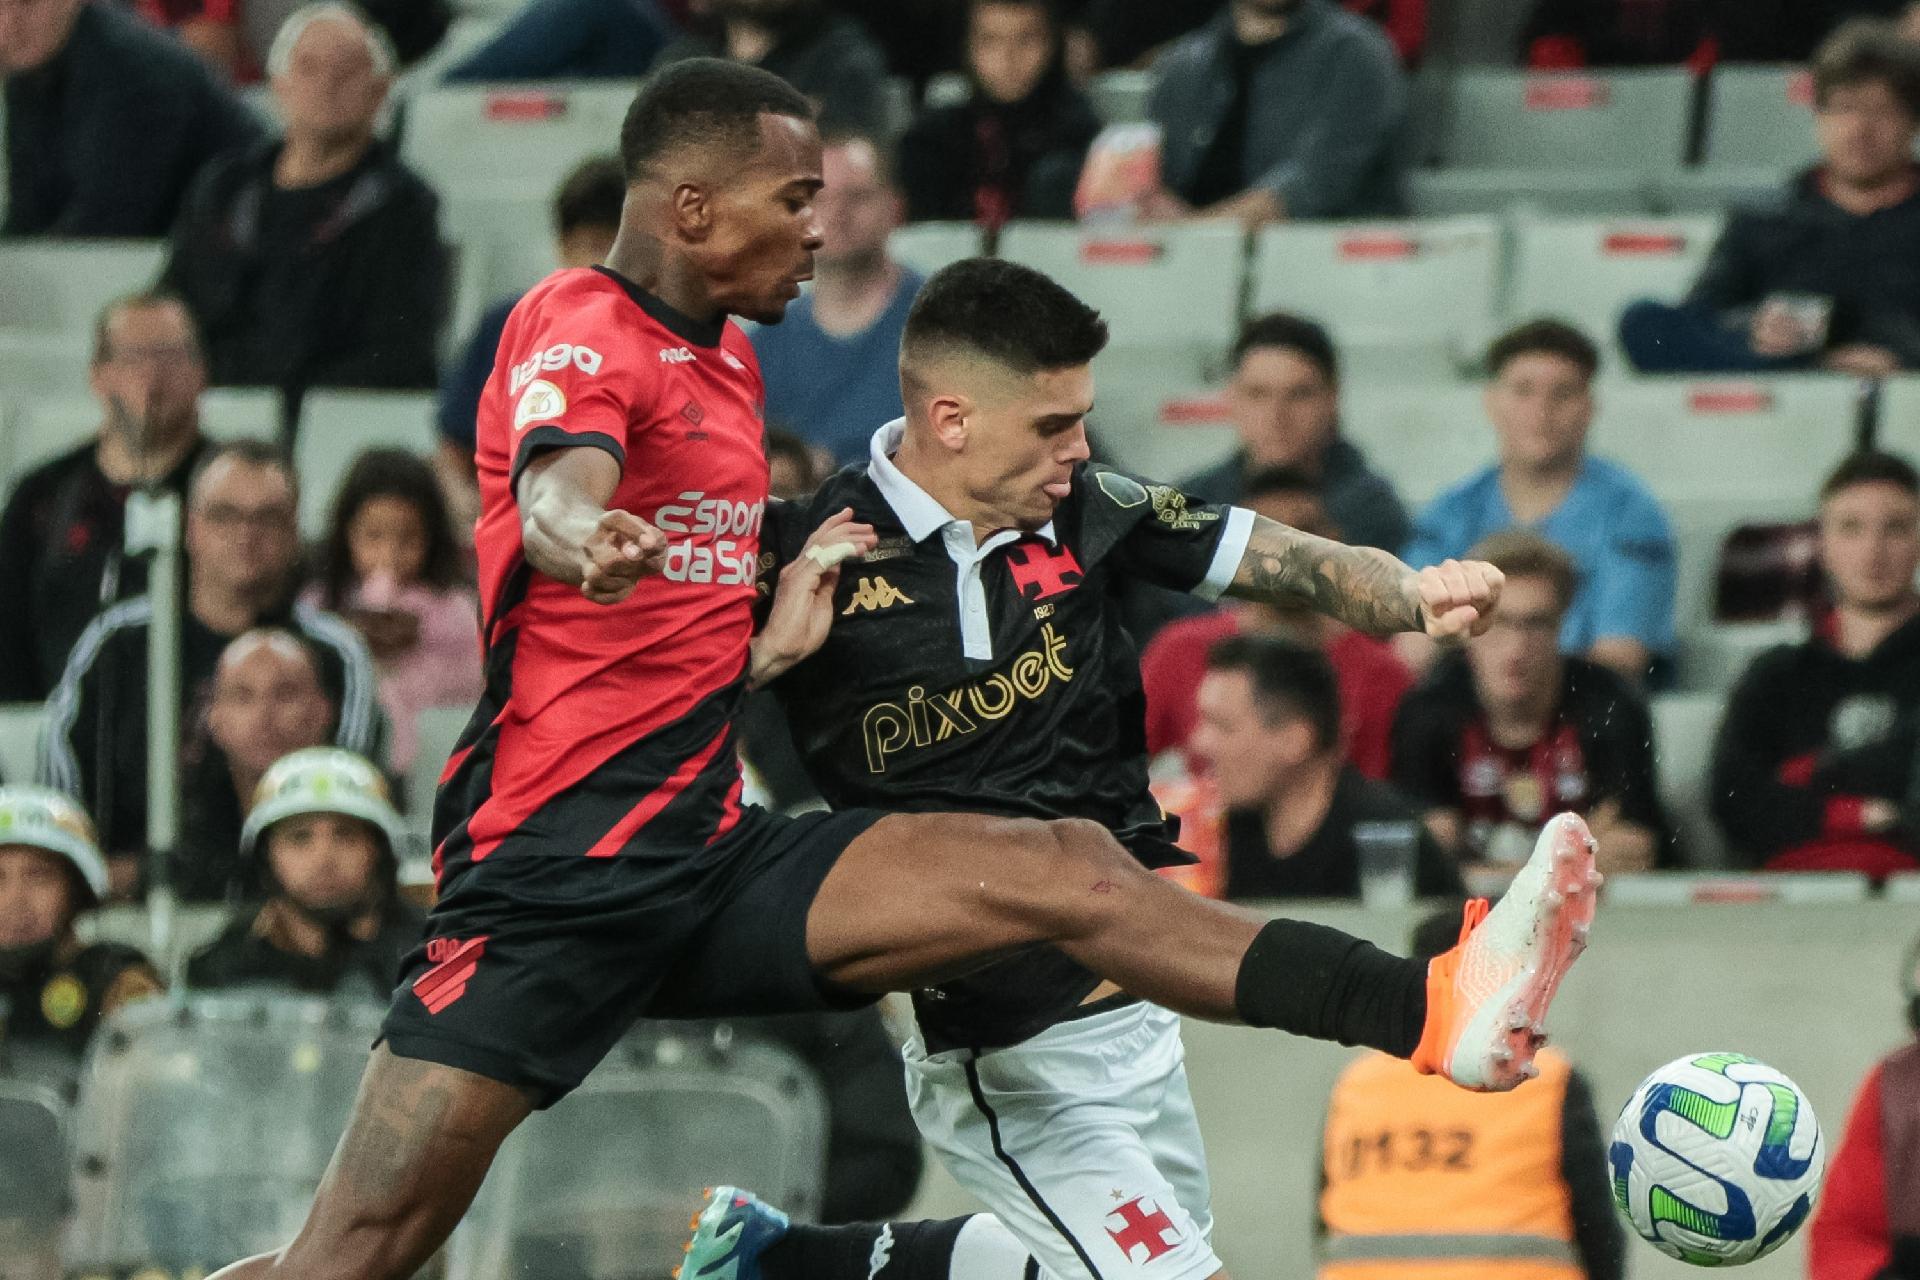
(1318, 982)
(904, 1251)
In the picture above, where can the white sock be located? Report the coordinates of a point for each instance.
(986, 1250)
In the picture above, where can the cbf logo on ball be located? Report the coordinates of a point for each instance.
(1716, 1159)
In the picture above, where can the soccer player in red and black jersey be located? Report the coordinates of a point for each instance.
(595, 864)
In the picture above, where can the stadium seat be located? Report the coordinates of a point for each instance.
(1157, 286)
(1714, 190)
(59, 286)
(519, 139)
(1586, 121)
(1684, 727)
(1898, 429)
(241, 413)
(609, 1176)
(45, 427)
(1904, 887)
(1760, 117)
(928, 246)
(33, 363)
(337, 426)
(19, 740)
(1706, 888)
(1422, 437)
(1586, 272)
(438, 729)
(1405, 287)
(1120, 97)
(1155, 416)
(1452, 193)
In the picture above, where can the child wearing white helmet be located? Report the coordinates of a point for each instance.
(54, 989)
(328, 840)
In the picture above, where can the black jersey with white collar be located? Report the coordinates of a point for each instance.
(995, 678)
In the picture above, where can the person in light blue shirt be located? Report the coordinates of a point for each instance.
(832, 366)
(1540, 401)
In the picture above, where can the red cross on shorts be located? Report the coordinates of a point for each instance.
(1036, 565)
(1140, 1229)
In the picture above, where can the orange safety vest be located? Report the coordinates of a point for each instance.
(1427, 1181)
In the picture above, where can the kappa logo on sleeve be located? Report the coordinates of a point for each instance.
(559, 356)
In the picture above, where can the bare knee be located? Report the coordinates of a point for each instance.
(1079, 879)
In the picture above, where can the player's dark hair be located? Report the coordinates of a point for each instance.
(785, 444)
(704, 102)
(1303, 337)
(145, 300)
(590, 196)
(248, 451)
(1522, 553)
(1271, 481)
(1868, 51)
(1290, 681)
(1011, 314)
(390, 473)
(1871, 466)
(1544, 337)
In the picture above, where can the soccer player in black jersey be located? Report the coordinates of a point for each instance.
(977, 661)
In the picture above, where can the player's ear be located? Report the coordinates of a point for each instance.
(947, 415)
(692, 212)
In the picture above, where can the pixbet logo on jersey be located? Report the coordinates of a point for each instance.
(709, 551)
(553, 359)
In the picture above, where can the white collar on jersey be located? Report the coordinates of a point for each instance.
(919, 513)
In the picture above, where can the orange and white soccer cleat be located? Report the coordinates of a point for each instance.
(1487, 998)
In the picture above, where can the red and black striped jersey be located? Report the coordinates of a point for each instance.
(605, 729)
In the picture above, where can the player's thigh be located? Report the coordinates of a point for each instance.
(1051, 1136)
(420, 1141)
(920, 898)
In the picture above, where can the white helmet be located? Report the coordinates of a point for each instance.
(323, 780)
(43, 818)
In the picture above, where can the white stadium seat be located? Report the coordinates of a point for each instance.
(1422, 437)
(1397, 286)
(1153, 415)
(59, 286)
(1712, 190)
(44, 427)
(1450, 193)
(1120, 97)
(520, 138)
(928, 246)
(1626, 121)
(1900, 417)
(1684, 727)
(1761, 117)
(1157, 286)
(34, 363)
(19, 740)
(336, 427)
(1586, 272)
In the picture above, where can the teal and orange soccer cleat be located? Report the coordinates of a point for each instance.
(729, 1235)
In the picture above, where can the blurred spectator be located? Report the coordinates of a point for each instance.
(874, 1154)
(794, 467)
(328, 842)
(919, 38)
(1495, 742)
(1540, 400)
(392, 567)
(832, 367)
(1014, 148)
(1564, 34)
(1814, 767)
(1122, 33)
(1910, 22)
(1769, 571)
(1285, 401)
(211, 28)
(315, 260)
(570, 40)
(1867, 1224)
(1372, 679)
(63, 533)
(1419, 1179)
(586, 217)
(54, 989)
(1280, 109)
(825, 55)
(268, 701)
(1828, 275)
(1269, 739)
(1405, 22)
(107, 120)
(242, 552)
(237, 35)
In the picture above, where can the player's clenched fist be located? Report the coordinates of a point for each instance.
(1457, 597)
(621, 550)
(802, 611)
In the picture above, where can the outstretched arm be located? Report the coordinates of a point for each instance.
(1367, 589)
(569, 534)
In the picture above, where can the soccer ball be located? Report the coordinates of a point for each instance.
(1716, 1159)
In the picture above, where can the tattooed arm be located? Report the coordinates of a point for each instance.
(1367, 589)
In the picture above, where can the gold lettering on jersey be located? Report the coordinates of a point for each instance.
(874, 594)
(889, 728)
(1170, 508)
(888, 549)
(1041, 612)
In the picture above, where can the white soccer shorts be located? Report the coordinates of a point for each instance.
(1082, 1141)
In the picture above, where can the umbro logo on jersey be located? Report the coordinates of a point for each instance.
(693, 413)
(733, 361)
(873, 595)
(675, 355)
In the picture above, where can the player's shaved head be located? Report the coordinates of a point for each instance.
(708, 105)
(982, 317)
